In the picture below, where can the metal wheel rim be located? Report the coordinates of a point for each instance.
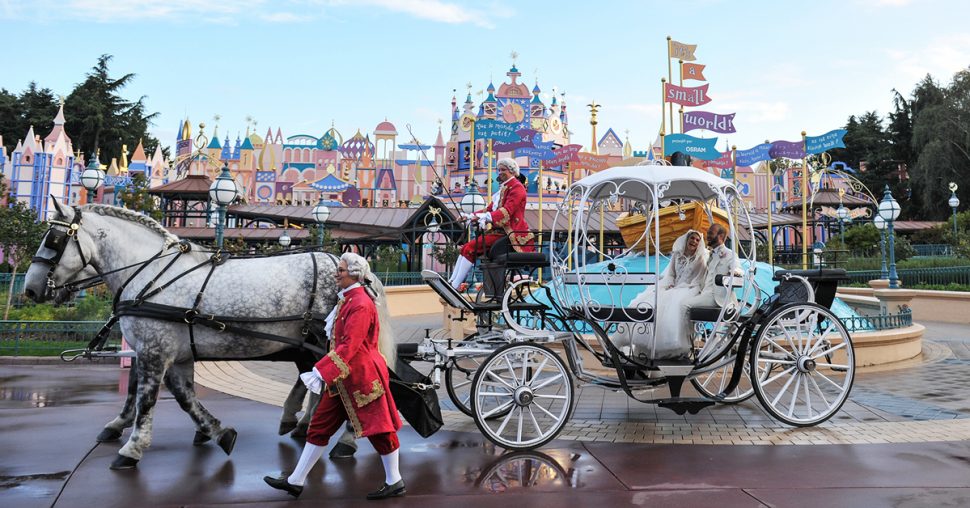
(710, 384)
(810, 362)
(530, 382)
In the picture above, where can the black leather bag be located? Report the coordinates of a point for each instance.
(416, 399)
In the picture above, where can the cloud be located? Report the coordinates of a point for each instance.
(127, 10)
(284, 17)
(942, 57)
(439, 11)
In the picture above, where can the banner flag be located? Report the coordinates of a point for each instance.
(686, 95)
(723, 124)
(692, 71)
(496, 130)
(753, 155)
(536, 153)
(699, 148)
(829, 140)
(568, 153)
(682, 51)
(722, 162)
(593, 162)
(788, 149)
(523, 139)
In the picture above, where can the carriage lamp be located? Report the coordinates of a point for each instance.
(321, 213)
(285, 240)
(880, 224)
(223, 191)
(954, 202)
(472, 201)
(889, 211)
(433, 226)
(92, 177)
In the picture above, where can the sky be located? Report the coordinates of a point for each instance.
(304, 65)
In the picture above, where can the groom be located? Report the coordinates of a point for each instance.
(722, 261)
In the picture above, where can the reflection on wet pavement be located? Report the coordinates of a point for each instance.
(45, 387)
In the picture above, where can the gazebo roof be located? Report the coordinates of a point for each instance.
(193, 185)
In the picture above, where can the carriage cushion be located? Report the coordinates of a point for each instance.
(522, 259)
(709, 314)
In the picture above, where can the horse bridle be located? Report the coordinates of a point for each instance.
(57, 240)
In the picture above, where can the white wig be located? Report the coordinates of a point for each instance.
(357, 266)
(509, 163)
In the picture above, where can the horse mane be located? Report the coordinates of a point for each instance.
(132, 216)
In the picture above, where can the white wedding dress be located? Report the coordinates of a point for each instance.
(682, 279)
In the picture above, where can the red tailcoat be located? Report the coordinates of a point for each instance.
(509, 214)
(355, 370)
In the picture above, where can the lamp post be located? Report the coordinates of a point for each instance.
(223, 191)
(954, 202)
(843, 214)
(92, 177)
(321, 213)
(889, 211)
(880, 224)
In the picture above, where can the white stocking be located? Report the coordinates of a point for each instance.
(462, 267)
(392, 474)
(311, 454)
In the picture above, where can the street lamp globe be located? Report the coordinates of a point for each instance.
(879, 222)
(223, 190)
(888, 207)
(285, 240)
(321, 212)
(92, 176)
(842, 212)
(433, 226)
(953, 202)
(472, 201)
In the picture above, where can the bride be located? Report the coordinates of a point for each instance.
(682, 279)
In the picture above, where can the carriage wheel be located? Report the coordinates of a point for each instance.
(712, 383)
(534, 385)
(458, 381)
(810, 364)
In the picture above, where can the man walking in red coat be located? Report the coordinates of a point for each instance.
(355, 383)
(507, 213)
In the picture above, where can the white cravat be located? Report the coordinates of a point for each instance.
(336, 308)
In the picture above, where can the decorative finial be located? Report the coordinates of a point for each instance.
(469, 87)
(514, 55)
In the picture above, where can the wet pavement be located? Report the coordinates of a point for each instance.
(50, 415)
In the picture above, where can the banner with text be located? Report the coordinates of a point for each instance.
(681, 51)
(496, 130)
(699, 148)
(788, 149)
(568, 153)
(692, 71)
(753, 155)
(722, 162)
(593, 162)
(829, 140)
(690, 96)
(715, 122)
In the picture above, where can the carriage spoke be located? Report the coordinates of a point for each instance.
(500, 380)
(537, 396)
(538, 371)
(777, 376)
(508, 362)
(784, 389)
(829, 351)
(505, 421)
(819, 390)
(497, 410)
(518, 433)
(821, 340)
(535, 422)
(525, 371)
(546, 411)
(808, 397)
(547, 382)
(833, 383)
(794, 394)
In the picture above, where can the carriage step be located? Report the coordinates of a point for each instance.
(681, 405)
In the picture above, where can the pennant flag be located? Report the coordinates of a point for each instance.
(722, 162)
(568, 153)
(682, 51)
(593, 162)
(524, 139)
(710, 121)
(698, 148)
(829, 140)
(686, 95)
(789, 149)
(536, 153)
(692, 71)
(497, 131)
(752, 155)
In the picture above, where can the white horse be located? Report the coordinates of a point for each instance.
(176, 304)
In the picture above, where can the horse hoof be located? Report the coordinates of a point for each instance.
(300, 431)
(286, 427)
(227, 441)
(200, 439)
(107, 435)
(121, 463)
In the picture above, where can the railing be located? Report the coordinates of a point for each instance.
(881, 322)
(46, 338)
(400, 278)
(915, 276)
(18, 287)
(933, 250)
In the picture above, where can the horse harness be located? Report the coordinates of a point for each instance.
(57, 240)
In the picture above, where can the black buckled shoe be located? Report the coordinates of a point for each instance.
(342, 451)
(388, 491)
(281, 483)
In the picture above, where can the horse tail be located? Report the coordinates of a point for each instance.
(385, 339)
